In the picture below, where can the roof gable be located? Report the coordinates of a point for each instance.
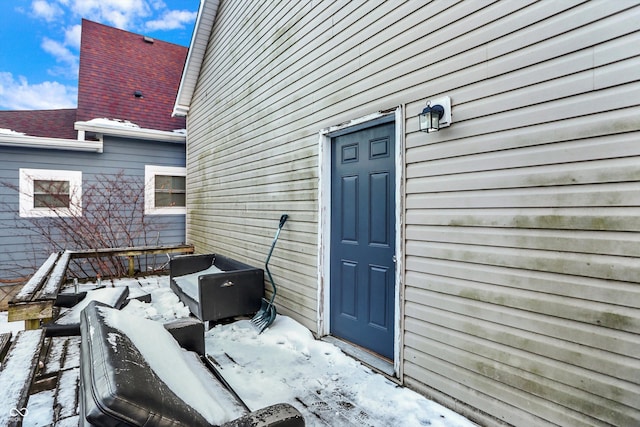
(115, 65)
(204, 25)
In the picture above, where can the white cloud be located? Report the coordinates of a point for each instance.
(58, 50)
(72, 36)
(158, 4)
(172, 20)
(63, 55)
(62, 42)
(49, 11)
(18, 94)
(118, 13)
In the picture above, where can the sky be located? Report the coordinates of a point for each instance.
(40, 42)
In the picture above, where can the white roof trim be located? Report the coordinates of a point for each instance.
(130, 132)
(201, 32)
(26, 141)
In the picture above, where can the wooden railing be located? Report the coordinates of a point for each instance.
(132, 252)
(34, 302)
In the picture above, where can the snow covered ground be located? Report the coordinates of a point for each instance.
(6, 326)
(283, 364)
(286, 364)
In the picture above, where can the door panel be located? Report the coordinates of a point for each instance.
(348, 290)
(363, 238)
(378, 212)
(378, 279)
(349, 226)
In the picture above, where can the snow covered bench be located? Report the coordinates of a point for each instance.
(16, 375)
(35, 300)
(132, 372)
(216, 287)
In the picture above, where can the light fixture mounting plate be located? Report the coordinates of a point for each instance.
(445, 101)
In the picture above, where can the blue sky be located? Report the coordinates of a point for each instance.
(40, 42)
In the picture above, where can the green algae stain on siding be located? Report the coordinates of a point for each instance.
(616, 321)
(554, 221)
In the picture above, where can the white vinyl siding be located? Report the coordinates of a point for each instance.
(522, 243)
(521, 293)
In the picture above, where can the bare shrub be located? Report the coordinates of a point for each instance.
(109, 214)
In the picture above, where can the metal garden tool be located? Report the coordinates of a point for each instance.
(267, 313)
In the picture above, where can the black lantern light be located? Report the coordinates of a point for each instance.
(430, 118)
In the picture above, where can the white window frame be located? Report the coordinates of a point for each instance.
(27, 178)
(150, 172)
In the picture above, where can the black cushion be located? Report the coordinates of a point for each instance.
(118, 387)
(69, 300)
(121, 390)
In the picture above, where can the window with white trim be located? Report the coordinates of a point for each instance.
(50, 193)
(165, 190)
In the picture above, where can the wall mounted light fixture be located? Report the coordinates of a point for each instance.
(436, 115)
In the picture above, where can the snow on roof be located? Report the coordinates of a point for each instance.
(113, 122)
(125, 128)
(10, 132)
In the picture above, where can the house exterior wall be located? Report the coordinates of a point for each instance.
(17, 252)
(520, 292)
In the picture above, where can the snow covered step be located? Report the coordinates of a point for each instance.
(16, 374)
(53, 398)
(63, 354)
(216, 287)
(66, 402)
(5, 341)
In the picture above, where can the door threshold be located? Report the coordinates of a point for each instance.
(374, 361)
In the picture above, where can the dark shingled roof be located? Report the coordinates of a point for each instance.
(115, 64)
(45, 123)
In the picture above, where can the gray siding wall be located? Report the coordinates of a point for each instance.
(521, 287)
(17, 254)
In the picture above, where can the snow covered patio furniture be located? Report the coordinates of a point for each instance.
(68, 323)
(133, 372)
(35, 301)
(216, 287)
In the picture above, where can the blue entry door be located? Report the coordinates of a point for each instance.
(362, 289)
